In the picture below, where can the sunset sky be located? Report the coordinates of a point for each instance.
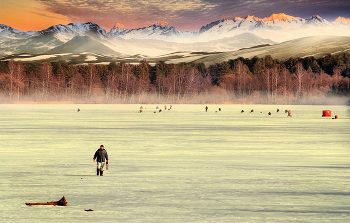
(185, 15)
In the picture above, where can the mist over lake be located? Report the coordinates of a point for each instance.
(177, 165)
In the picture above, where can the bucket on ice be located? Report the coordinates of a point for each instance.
(327, 113)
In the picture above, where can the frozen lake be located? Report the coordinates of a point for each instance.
(179, 165)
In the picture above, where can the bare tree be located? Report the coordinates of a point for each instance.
(45, 75)
(142, 72)
(91, 78)
(310, 83)
(299, 75)
(242, 79)
(19, 78)
(112, 85)
(285, 75)
(127, 79)
(267, 80)
(192, 82)
(275, 78)
(227, 82)
(336, 77)
(242, 82)
(77, 87)
(11, 72)
(5, 80)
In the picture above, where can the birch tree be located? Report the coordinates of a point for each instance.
(46, 75)
(11, 73)
(275, 78)
(91, 78)
(19, 78)
(299, 75)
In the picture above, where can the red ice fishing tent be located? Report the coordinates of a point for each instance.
(327, 113)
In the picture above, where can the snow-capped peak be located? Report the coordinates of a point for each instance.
(316, 20)
(118, 25)
(237, 18)
(280, 17)
(155, 31)
(283, 21)
(116, 30)
(162, 23)
(75, 29)
(342, 20)
(7, 30)
(251, 17)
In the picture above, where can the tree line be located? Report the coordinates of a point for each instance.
(256, 80)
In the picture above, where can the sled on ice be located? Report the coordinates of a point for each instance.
(61, 202)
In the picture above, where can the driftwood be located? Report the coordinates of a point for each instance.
(61, 202)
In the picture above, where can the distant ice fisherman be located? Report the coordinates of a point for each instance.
(102, 159)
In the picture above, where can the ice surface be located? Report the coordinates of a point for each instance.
(179, 165)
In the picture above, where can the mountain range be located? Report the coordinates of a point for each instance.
(159, 39)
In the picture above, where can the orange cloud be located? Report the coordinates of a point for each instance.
(28, 15)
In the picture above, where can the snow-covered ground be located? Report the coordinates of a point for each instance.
(41, 57)
(178, 165)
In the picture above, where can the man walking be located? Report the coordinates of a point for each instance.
(102, 159)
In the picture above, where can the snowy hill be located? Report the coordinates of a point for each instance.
(33, 44)
(154, 48)
(161, 38)
(313, 46)
(317, 47)
(9, 31)
(80, 44)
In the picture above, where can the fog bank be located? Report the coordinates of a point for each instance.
(215, 97)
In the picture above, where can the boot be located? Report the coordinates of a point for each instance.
(101, 173)
(98, 171)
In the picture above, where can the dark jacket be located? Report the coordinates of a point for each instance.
(101, 155)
